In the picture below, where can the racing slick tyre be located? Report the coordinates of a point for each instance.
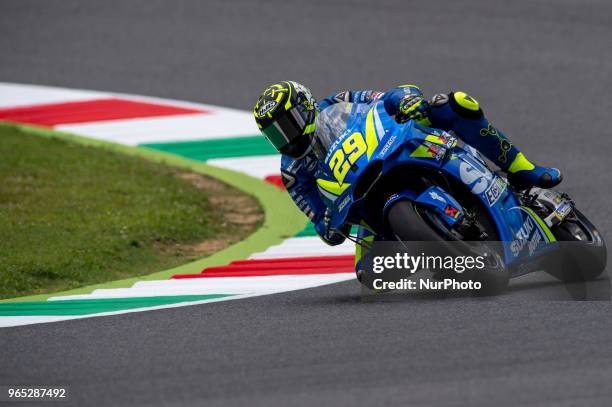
(411, 223)
(584, 254)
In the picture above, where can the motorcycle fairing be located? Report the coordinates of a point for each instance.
(374, 137)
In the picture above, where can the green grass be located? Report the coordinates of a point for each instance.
(72, 215)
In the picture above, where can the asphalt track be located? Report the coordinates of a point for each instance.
(540, 68)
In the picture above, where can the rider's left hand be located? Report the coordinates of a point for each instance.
(329, 235)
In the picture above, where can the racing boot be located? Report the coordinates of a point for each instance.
(462, 114)
(522, 174)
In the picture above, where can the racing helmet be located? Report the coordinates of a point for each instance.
(285, 113)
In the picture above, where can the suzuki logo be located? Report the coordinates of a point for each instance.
(474, 177)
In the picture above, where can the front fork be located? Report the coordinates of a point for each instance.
(460, 222)
(433, 198)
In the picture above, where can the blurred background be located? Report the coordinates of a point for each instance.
(541, 69)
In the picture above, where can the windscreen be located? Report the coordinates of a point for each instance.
(335, 120)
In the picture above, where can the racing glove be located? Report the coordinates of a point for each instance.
(412, 107)
(407, 103)
(330, 236)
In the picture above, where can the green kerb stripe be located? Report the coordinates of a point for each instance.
(94, 306)
(203, 150)
(309, 230)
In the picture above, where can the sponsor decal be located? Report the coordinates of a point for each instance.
(341, 96)
(376, 95)
(436, 196)
(522, 236)
(440, 154)
(434, 150)
(448, 140)
(288, 179)
(387, 146)
(269, 105)
(495, 190)
(529, 235)
(359, 96)
(442, 138)
(563, 210)
(311, 163)
(344, 202)
(452, 211)
(476, 178)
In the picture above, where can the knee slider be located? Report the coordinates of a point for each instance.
(465, 105)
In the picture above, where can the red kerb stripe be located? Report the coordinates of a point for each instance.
(275, 180)
(275, 267)
(91, 111)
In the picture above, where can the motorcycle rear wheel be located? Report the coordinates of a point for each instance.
(585, 258)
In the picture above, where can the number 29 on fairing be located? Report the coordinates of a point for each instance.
(352, 148)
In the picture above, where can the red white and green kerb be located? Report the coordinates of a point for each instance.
(221, 137)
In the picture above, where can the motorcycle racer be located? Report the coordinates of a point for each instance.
(286, 113)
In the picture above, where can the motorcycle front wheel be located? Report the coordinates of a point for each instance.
(408, 222)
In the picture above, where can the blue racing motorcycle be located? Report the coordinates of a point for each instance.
(408, 182)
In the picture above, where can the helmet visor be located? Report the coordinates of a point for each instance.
(289, 126)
